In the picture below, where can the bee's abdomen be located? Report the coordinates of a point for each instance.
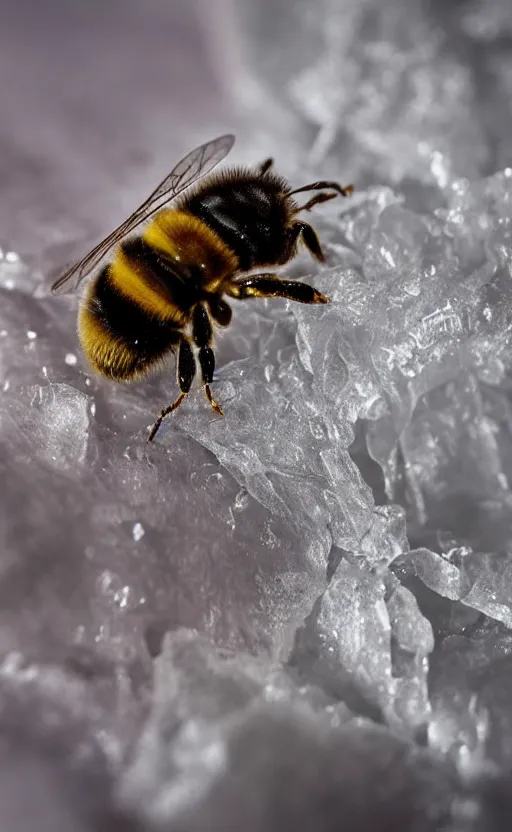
(141, 272)
(120, 338)
(248, 213)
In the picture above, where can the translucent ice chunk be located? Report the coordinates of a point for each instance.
(453, 464)
(386, 537)
(370, 644)
(215, 750)
(276, 441)
(481, 581)
(398, 329)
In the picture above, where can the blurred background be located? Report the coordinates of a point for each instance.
(99, 99)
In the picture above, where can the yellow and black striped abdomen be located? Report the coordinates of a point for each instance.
(129, 320)
(138, 306)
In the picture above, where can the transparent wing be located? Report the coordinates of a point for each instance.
(195, 165)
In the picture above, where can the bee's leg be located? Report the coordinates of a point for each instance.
(344, 190)
(271, 286)
(315, 200)
(207, 363)
(309, 238)
(202, 332)
(186, 373)
(219, 310)
(266, 165)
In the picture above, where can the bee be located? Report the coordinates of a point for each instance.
(205, 237)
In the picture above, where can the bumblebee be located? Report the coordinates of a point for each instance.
(164, 288)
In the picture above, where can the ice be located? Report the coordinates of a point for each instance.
(299, 471)
(469, 683)
(56, 419)
(221, 745)
(298, 615)
(479, 580)
(369, 643)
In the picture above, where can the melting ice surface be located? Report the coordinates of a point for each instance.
(300, 615)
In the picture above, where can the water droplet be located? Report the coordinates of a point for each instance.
(121, 596)
(70, 359)
(138, 531)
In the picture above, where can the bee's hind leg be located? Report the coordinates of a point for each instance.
(186, 373)
(202, 333)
